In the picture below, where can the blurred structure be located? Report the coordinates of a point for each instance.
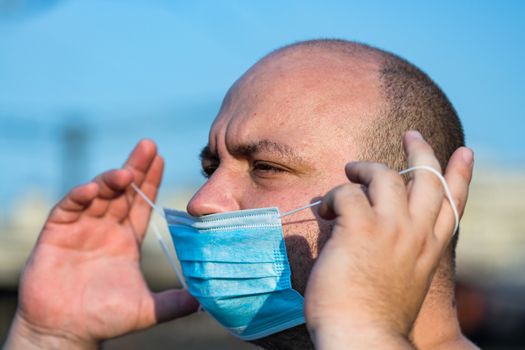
(490, 292)
(74, 149)
(490, 261)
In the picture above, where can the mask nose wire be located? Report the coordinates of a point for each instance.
(414, 168)
(160, 239)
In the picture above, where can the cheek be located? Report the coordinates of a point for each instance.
(285, 198)
(304, 238)
(308, 230)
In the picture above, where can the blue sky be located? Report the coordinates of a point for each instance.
(160, 68)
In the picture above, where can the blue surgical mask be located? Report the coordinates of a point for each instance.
(235, 264)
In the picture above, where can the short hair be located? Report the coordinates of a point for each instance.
(413, 102)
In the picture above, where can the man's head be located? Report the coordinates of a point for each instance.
(288, 126)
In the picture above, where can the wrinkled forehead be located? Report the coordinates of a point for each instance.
(300, 101)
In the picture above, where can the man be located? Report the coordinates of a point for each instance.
(282, 138)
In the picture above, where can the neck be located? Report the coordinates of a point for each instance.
(437, 322)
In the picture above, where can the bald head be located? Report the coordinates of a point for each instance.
(375, 94)
(405, 97)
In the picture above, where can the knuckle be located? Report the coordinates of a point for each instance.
(394, 177)
(381, 168)
(365, 225)
(361, 224)
(341, 192)
(390, 227)
(395, 181)
(398, 187)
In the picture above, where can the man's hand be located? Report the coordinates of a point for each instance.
(83, 281)
(370, 280)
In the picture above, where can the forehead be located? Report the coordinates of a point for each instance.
(311, 104)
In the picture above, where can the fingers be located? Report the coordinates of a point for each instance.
(71, 207)
(173, 304)
(135, 169)
(111, 197)
(140, 161)
(106, 194)
(113, 182)
(458, 176)
(147, 168)
(141, 211)
(385, 187)
(346, 201)
(426, 192)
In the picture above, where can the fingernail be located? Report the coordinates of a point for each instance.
(414, 135)
(468, 155)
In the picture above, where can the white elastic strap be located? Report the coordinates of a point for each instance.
(301, 208)
(161, 240)
(417, 167)
(445, 186)
(151, 204)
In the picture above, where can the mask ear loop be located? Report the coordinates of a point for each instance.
(414, 168)
(299, 209)
(445, 187)
(161, 240)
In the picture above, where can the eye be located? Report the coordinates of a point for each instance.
(264, 168)
(208, 169)
(207, 172)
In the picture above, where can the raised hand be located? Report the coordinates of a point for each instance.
(370, 280)
(83, 281)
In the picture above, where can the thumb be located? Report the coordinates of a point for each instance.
(174, 303)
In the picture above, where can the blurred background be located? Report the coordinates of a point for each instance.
(82, 81)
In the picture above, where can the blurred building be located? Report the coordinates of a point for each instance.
(490, 261)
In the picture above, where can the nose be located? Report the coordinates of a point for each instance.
(217, 195)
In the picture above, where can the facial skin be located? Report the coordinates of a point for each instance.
(282, 137)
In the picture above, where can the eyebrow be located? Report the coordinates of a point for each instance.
(249, 150)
